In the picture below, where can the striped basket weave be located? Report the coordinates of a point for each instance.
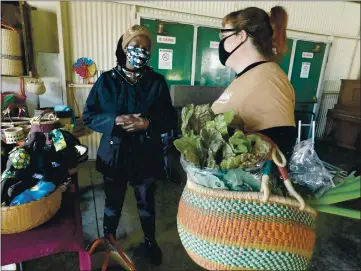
(11, 53)
(225, 230)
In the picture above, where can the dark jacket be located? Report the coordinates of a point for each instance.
(130, 156)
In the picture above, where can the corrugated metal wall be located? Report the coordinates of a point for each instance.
(328, 101)
(355, 68)
(214, 9)
(92, 29)
(179, 16)
(339, 63)
(335, 18)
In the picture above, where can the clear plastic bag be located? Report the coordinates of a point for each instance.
(307, 170)
(231, 180)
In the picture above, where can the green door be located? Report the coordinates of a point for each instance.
(305, 77)
(172, 51)
(285, 63)
(209, 71)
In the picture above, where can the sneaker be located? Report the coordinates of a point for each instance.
(154, 251)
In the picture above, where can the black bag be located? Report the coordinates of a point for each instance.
(70, 153)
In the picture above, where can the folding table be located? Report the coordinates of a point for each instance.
(62, 233)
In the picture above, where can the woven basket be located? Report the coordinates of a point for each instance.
(11, 53)
(40, 124)
(14, 135)
(3, 127)
(15, 121)
(39, 111)
(26, 129)
(36, 86)
(25, 217)
(225, 230)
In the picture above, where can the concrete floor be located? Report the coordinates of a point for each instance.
(338, 239)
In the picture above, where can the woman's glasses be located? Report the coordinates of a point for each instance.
(223, 32)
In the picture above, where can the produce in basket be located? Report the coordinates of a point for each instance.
(347, 189)
(228, 230)
(206, 142)
(214, 156)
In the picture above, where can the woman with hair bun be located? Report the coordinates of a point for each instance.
(263, 97)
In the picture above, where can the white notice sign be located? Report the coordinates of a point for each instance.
(165, 59)
(305, 69)
(214, 44)
(307, 55)
(166, 39)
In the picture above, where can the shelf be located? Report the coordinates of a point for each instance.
(11, 76)
(80, 85)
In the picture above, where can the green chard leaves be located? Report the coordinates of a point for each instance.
(207, 144)
(191, 147)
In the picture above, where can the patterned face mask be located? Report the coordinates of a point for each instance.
(137, 57)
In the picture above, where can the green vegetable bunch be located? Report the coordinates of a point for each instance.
(207, 143)
(347, 190)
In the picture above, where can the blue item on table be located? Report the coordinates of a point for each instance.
(41, 190)
(37, 192)
(23, 198)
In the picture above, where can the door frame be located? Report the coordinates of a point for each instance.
(323, 67)
(194, 54)
(320, 84)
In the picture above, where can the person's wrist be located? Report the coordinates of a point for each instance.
(147, 123)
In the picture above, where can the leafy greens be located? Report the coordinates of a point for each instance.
(207, 143)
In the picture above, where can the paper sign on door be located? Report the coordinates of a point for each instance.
(307, 55)
(166, 39)
(214, 44)
(305, 69)
(165, 59)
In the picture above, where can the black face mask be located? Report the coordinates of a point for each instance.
(223, 54)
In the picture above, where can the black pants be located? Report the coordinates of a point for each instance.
(115, 191)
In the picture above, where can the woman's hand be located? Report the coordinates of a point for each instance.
(132, 123)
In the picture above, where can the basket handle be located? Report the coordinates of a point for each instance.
(290, 187)
(121, 253)
(47, 111)
(107, 242)
(94, 245)
(281, 165)
(275, 152)
(52, 117)
(265, 186)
